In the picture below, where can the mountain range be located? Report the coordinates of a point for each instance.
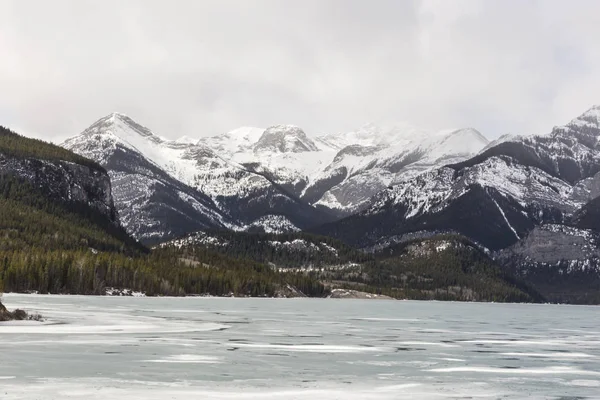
(531, 202)
(272, 180)
(61, 233)
(496, 197)
(529, 205)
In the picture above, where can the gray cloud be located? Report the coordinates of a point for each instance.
(198, 68)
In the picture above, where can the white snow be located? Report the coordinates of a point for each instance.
(380, 157)
(218, 165)
(273, 224)
(506, 219)
(237, 140)
(432, 191)
(186, 140)
(110, 291)
(591, 118)
(443, 245)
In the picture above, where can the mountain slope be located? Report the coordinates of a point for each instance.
(282, 251)
(588, 216)
(441, 267)
(447, 267)
(496, 197)
(164, 189)
(341, 172)
(561, 262)
(383, 158)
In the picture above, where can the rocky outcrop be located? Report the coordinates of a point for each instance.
(288, 292)
(64, 181)
(17, 315)
(561, 262)
(4, 314)
(285, 139)
(551, 244)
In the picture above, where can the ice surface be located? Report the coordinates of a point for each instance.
(211, 348)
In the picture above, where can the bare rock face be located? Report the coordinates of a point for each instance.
(285, 139)
(562, 262)
(552, 244)
(289, 292)
(4, 314)
(65, 181)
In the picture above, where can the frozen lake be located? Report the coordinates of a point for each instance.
(210, 348)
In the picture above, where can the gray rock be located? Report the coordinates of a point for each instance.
(65, 181)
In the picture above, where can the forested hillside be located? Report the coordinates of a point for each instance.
(28, 218)
(15, 145)
(61, 252)
(286, 251)
(440, 268)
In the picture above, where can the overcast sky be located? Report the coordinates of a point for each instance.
(202, 67)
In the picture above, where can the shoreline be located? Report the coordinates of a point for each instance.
(11, 294)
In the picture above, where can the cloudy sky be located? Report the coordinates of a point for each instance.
(201, 67)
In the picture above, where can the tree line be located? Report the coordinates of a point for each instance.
(14, 145)
(447, 267)
(287, 250)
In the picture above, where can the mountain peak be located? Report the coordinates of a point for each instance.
(285, 139)
(115, 117)
(382, 134)
(117, 114)
(593, 112)
(590, 118)
(123, 127)
(114, 129)
(472, 134)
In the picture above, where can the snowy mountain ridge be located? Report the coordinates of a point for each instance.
(342, 171)
(277, 179)
(166, 188)
(496, 197)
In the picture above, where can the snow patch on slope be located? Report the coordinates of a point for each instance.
(506, 219)
(272, 224)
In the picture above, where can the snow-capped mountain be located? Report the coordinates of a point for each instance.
(496, 197)
(152, 203)
(237, 140)
(165, 189)
(385, 157)
(257, 179)
(284, 139)
(341, 172)
(285, 154)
